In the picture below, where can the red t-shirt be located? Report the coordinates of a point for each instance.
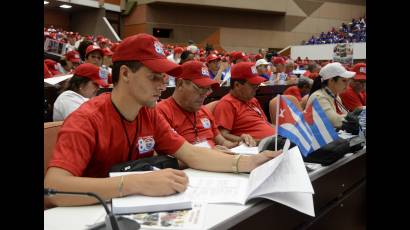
(352, 100)
(93, 138)
(240, 117)
(183, 122)
(294, 91)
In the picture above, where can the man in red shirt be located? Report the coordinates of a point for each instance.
(355, 94)
(123, 125)
(301, 89)
(185, 111)
(238, 113)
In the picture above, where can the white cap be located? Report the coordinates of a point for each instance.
(335, 69)
(192, 48)
(261, 62)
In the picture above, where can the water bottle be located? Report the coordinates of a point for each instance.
(282, 78)
(104, 72)
(171, 81)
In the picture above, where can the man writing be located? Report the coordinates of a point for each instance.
(116, 127)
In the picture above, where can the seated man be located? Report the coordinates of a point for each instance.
(301, 90)
(120, 126)
(238, 113)
(217, 68)
(263, 68)
(355, 94)
(185, 111)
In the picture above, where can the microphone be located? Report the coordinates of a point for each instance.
(112, 222)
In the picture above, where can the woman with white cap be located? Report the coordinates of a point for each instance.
(333, 79)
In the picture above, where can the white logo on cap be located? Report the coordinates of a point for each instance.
(158, 48)
(76, 56)
(253, 69)
(205, 71)
(206, 123)
(145, 144)
(362, 70)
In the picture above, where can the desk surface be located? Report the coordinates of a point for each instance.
(218, 216)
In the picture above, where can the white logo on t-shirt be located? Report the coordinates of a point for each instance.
(206, 123)
(145, 144)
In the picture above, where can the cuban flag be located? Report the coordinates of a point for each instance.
(322, 129)
(309, 130)
(292, 125)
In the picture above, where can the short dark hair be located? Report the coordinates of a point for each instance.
(302, 82)
(63, 62)
(133, 65)
(83, 47)
(75, 83)
(184, 56)
(241, 81)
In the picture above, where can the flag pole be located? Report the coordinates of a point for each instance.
(277, 121)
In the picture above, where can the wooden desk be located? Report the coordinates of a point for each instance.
(339, 201)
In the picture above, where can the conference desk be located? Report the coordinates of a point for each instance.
(339, 201)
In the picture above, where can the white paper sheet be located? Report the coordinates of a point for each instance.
(56, 80)
(137, 203)
(245, 149)
(289, 184)
(74, 217)
(217, 190)
(203, 144)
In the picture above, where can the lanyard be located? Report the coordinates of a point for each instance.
(131, 146)
(337, 103)
(255, 109)
(193, 125)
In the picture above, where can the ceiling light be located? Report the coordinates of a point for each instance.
(46, 2)
(65, 6)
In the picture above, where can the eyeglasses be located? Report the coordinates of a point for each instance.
(200, 90)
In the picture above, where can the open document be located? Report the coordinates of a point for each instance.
(283, 179)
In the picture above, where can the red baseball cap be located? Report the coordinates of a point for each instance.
(73, 56)
(92, 48)
(51, 65)
(258, 56)
(278, 60)
(178, 50)
(246, 71)
(198, 73)
(238, 55)
(114, 46)
(212, 57)
(107, 52)
(91, 72)
(360, 69)
(148, 50)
